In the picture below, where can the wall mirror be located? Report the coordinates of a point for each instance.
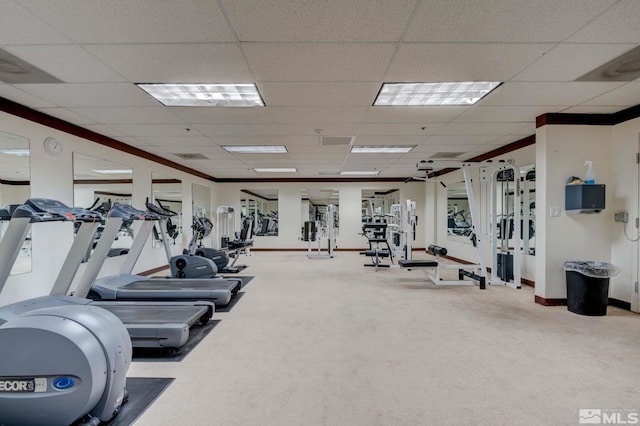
(97, 184)
(377, 203)
(261, 206)
(167, 193)
(458, 213)
(315, 207)
(201, 208)
(528, 210)
(14, 190)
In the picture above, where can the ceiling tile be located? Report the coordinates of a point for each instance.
(15, 18)
(69, 63)
(444, 140)
(411, 114)
(175, 63)
(129, 115)
(423, 62)
(593, 109)
(318, 115)
(505, 114)
(67, 115)
(472, 129)
(213, 115)
(619, 24)
(90, 95)
(500, 20)
(22, 97)
(389, 139)
(103, 130)
(318, 61)
(140, 130)
(318, 94)
(173, 141)
(627, 95)
(401, 129)
(567, 62)
(249, 129)
(139, 21)
(550, 93)
(292, 20)
(324, 129)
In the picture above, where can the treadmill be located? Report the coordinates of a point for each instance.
(150, 325)
(130, 287)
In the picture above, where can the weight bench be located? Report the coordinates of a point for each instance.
(427, 265)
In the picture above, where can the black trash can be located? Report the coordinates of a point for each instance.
(588, 286)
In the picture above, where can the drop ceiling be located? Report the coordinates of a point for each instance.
(318, 66)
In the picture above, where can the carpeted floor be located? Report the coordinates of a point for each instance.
(330, 342)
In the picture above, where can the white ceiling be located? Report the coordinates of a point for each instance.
(318, 66)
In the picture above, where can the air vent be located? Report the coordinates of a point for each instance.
(14, 70)
(190, 156)
(336, 140)
(625, 67)
(446, 155)
(328, 173)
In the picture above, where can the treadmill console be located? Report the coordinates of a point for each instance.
(131, 212)
(44, 209)
(161, 211)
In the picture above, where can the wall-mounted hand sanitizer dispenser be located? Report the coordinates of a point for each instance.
(584, 198)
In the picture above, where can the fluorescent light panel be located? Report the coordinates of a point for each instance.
(256, 149)
(205, 94)
(379, 149)
(276, 170)
(420, 94)
(360, 173)
(113, 171)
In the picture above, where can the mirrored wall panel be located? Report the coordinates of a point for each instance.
(15, 189)
(376, 203)
(315, 208)
(97, 184)
(458, 213)
(261, 206)
(167, 193)
(201, 208)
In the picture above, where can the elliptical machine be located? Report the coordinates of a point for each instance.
(186, 265)
(62, 361)
(202, 228)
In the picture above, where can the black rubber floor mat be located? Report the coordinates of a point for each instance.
(143, 391)
(197, 333)
(245, 279)
(227, 308)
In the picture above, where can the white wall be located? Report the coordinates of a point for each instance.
(561, 152)
(625, 196)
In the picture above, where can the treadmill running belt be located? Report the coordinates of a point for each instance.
(156, 314)
(159, 285)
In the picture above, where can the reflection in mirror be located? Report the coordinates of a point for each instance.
(97, 184)
(376, 203)
(261, 205)
(315, 207)
(167, 193)
(528, 201)
(14, 189)
(201, 208)
(458, 213)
